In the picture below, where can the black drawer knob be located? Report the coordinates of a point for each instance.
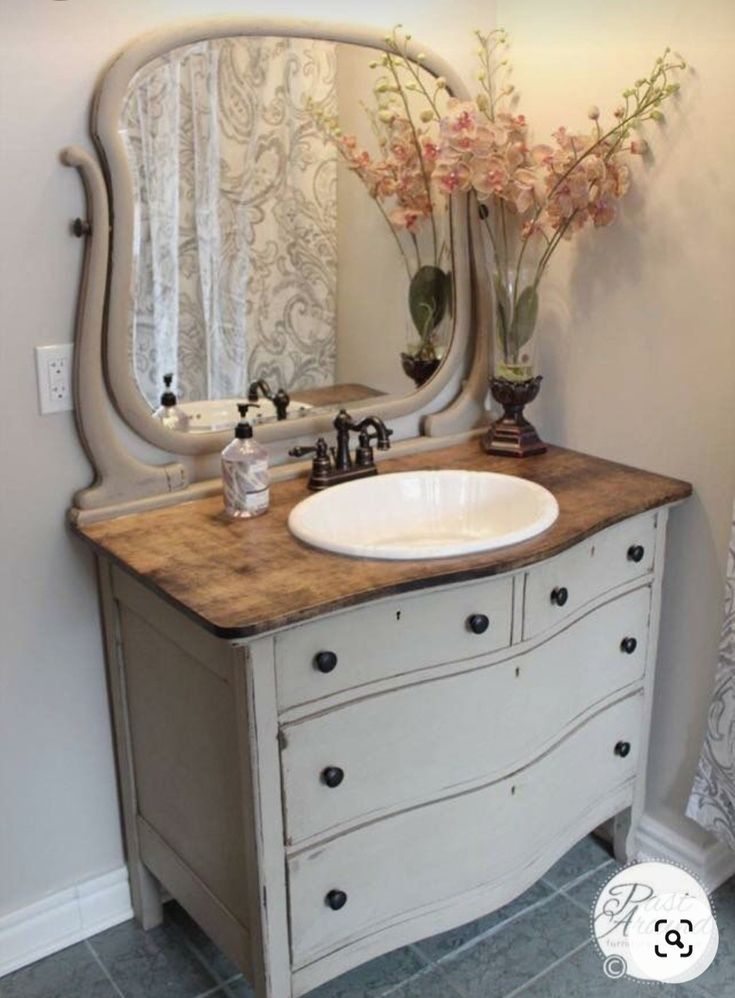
(336, 900)
(478, 623)
(333, 776)
(622, 749)
(325, 661)
(636, 552)
(628, 645)
(560, 595)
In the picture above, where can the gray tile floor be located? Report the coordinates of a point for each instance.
(538, 946)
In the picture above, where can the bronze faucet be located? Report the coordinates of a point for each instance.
(341, 467)
(280, 400)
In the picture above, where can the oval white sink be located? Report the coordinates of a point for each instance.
(424, 514)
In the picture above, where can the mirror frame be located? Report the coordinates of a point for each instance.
(127, 397)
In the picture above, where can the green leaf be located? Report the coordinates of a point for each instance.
(429, 295)
(501, 308)
(524, 320)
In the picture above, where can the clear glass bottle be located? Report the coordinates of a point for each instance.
(169, 412)
(245, 471)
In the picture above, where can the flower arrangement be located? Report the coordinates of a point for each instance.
(531, 197)
(534, 196)
(400, 180)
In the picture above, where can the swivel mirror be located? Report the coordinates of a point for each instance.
(266, 239)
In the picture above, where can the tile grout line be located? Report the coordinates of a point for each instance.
(199, 956)
(98, 960)
(234, 979)
(179, 932)
(575, 902)
(439, 964)
(547, 970)
(430, 968)
(211, 993)
(576, 881)
(494, 929)
(420, 955)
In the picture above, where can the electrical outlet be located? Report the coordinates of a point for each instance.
(53, 370)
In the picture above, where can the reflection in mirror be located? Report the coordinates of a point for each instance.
(260, 252)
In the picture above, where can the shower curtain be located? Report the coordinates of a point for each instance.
(712, 801)
(235, 241)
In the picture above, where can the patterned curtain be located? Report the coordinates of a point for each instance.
(235, 241)
(712, 801)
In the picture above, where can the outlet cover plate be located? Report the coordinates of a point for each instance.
(54, 374)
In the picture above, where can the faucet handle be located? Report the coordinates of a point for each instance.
(321, 466)
(364, 452)
(281, 400)
(320, 449)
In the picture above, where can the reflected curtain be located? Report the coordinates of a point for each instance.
(712, 801)
(235, 239)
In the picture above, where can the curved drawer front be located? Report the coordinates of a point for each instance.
(397, 749)
(430, 856)
(391, 637)
(558, 587)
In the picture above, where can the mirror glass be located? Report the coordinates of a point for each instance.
(260, 252)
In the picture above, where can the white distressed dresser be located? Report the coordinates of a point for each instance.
(324, 758)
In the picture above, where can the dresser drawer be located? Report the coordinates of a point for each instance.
(433, 855)
(392, 637)
(558, 587)
(397, 749)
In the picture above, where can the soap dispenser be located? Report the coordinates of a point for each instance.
(169, 412)
(245, 471)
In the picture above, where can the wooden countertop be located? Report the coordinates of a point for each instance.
(244, 577)
(335, 394)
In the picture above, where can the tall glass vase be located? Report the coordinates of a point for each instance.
(514, 383)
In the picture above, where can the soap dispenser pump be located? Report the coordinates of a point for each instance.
(169, 412)
(245, 471)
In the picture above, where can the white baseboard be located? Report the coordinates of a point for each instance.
(679, 841)
(62, 919)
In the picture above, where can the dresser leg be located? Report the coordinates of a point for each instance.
(144, 888)
(622, 837)
(254, 681)
(146, 895)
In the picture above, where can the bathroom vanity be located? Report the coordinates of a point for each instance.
(323, 758)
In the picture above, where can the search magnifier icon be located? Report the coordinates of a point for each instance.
(673, 938)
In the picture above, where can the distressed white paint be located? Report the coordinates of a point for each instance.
(464, 781)
(400, 635)
(440, 737)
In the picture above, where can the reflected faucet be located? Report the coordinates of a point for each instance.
(280, 400)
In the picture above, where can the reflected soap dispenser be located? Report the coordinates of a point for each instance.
(245, 471)
(169, 412)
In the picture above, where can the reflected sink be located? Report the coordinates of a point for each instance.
(222, 414)
(424, 514)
